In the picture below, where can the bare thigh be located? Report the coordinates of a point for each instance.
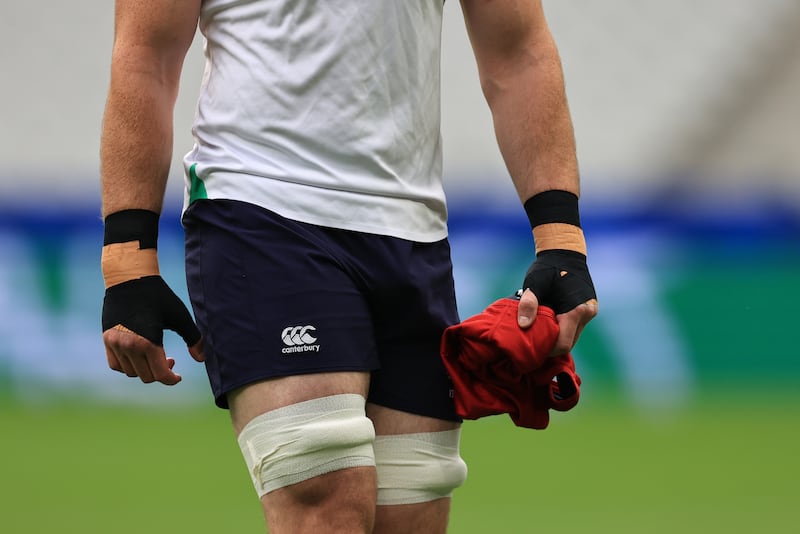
(255, 399)
(389, 421)
(429, 517)
(341, 501)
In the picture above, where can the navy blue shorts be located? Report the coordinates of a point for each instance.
(275, 297)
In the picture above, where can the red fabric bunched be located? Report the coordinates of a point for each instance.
(497, 367)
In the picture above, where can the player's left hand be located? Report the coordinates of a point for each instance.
(559, 279)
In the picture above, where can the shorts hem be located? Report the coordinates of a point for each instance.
(405, 406)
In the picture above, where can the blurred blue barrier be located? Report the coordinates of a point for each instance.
(691, 297)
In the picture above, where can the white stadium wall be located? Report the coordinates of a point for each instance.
(656, 89)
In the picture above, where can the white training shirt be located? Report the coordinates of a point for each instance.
(324, 111)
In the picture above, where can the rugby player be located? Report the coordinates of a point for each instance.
(317, 258)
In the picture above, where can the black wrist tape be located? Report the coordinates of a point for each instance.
(132, 225)
(554, 206)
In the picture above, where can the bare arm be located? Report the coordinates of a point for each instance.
(151, 38)
(522, 80)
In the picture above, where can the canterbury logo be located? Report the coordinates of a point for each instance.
(298, 335)
(298, 339)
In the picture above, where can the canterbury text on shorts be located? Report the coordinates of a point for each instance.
(275, 297)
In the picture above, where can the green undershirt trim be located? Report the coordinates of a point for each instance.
(197, 189)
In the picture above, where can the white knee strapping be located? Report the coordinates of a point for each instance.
(414, 468)
(305, 440)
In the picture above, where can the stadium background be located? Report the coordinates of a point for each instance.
(688, 128)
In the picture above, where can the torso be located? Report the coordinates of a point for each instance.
(326, 112)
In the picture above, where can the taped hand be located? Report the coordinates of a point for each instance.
(138, 304)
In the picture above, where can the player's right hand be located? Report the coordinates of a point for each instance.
(138, 304)
(135, 315)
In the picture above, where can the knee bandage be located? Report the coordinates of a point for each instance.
(414, 468)
(305, 440)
